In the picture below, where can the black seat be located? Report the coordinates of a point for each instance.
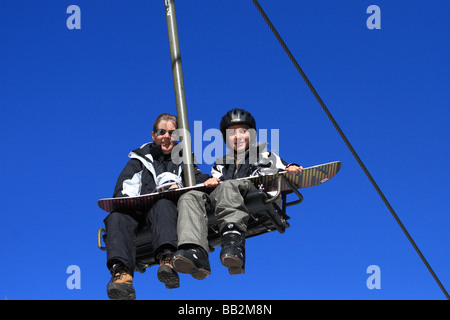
(264, 217)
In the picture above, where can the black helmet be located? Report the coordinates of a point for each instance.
(236, 116)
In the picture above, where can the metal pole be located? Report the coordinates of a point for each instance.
(180, 98)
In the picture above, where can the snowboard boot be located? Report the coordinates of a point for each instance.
(192, 260)
(166, 272)
(232, 254)
(120, 287)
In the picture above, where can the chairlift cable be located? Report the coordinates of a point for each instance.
(352, 150)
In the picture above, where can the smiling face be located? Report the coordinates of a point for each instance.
(165, 140)
(238, 137)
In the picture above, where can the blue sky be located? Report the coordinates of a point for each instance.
(75, 102)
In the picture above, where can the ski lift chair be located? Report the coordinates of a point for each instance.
(267, 213)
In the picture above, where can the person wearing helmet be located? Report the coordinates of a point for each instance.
(149, 170)
(244, 159)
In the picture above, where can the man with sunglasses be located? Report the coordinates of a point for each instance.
(150, 165)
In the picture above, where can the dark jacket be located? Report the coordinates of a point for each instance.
(139, 175)
(255, 158)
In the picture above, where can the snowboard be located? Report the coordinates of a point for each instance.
(309, 177)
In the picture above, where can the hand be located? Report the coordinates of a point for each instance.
(212, 182)
(294, 169)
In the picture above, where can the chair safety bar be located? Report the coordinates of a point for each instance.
(100, 233)
(281, 179)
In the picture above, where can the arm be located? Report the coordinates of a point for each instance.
(279, 163)
(129, 182)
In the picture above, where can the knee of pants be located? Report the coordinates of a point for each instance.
(164, 205)
(227, 183)
(224, 185)
(241, 185)
(193, 195)
(231, 185)
(118, 218)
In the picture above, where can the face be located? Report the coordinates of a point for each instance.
(165, 140)
(238, 137)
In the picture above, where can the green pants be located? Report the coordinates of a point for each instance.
(227, 199)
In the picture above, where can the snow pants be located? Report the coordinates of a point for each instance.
(227, 199)
(122, 228)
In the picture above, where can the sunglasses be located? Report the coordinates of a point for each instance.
(161, 132)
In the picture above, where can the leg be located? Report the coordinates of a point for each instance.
(192, 254)
(121, 254)
(232, 216)
(162, 219)
(192, 226)
(228, 199)
(121, 240)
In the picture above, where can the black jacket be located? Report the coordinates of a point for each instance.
(139, 175)
(255, 158)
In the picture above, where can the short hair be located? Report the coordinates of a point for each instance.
(166, 117)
